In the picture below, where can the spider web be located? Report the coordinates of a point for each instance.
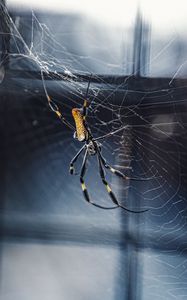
(146, 119)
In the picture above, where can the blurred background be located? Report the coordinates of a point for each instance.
(53, 244)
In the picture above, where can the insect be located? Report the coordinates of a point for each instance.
(91, 147)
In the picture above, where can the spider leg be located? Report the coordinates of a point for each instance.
(110, 192)
(54, 107)
(83, 185)
(117, 172)
(71, 168)
(84, 109)
(86, 104)
(113, 132)
(110, 133)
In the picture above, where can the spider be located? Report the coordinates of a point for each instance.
(91, 147)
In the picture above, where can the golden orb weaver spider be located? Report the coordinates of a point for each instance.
(91, 147)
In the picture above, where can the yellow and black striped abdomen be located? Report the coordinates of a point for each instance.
(81, 132)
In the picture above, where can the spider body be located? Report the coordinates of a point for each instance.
(91, 147)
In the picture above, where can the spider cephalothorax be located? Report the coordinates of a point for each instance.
(92, 147)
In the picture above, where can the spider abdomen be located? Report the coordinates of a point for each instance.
(81, 131)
